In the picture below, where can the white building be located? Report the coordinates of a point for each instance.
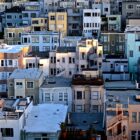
(56, 90)
(44, 122)
(12, 117)
(41, 41)
(91, 22)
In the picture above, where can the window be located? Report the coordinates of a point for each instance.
(63, 59)
(7, 132)
(95, 108)
(52, 18)
(60, 96)
(130, 6)
(35, 39)
(139, 117)
(83, 55)
(47, 97)
(65, 96)
(61, 17)
(19, 84)
(106, 9)
(73, 60)
(10, 62)
(46, 39)
(2, 62)
(79, 108)
(133, 135)
(25, 14)
(79, 95)
(139, 48)
(70, 73)
(70, 60)
(94, 95)
(33, 15)
(87, 14)
(30, 85)
(134, 117)
(9, 17)
(130, 53)
(55, 39)
(51, 59)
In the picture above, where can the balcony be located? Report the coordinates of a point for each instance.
(117, 137)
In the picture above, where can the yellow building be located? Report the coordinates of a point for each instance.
(58, 22)
(39, 24)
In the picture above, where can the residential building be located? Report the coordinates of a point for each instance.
(32, 10)
(115, 67)
(122, 110)
(41, 41)
(74, 24)
(5, 5)
(91, 22)
(88, 93)
(113, 42)
(11, 58)
(89, 54)
(111, 23)
(12, 35)
(103, 5)
(132, 37)
(12, 117)
(63, 61)
(58, 21)
(44, 121)
(116, 7)
(12, 17)
(25, 83)
(56, 90)
(37, 60)
(39, 24)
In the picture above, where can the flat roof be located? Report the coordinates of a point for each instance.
(31, 73)
(53, 82)
(46, 118)
(120, 85)
(66, 49)
(123, 97)
(87, 120)
(4, 48)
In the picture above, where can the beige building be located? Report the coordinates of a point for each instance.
(58, 22)
(11, 58)
(12, 36)
(25, 82)
(122, 111)
(39, 24)
(88, 93)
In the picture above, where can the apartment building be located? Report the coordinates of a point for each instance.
(116, 7)
(12, 117)
(122, 111)
(74, 24)
(11, 58)
(115, 67)
(89, 54)
(91, 22)
(42, 41)
(58, 21)
(103, 5)
(32, 10)
(12, 17)
(39, 24)
(44, 122)
(88, 93)
(56, 90)
(111, 23)
(25, 82)
(132, 37)
(5, 5)
(12, 35)
(63, 61)
(113, 42)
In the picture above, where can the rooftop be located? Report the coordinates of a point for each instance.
(32, 73)
(132, 29)
(4, 48)
(80, 79)
(53, 82)
(87, 120)
(119, 85)
(66, 49)
(40, 33)
(46, 118)
(15, 9)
